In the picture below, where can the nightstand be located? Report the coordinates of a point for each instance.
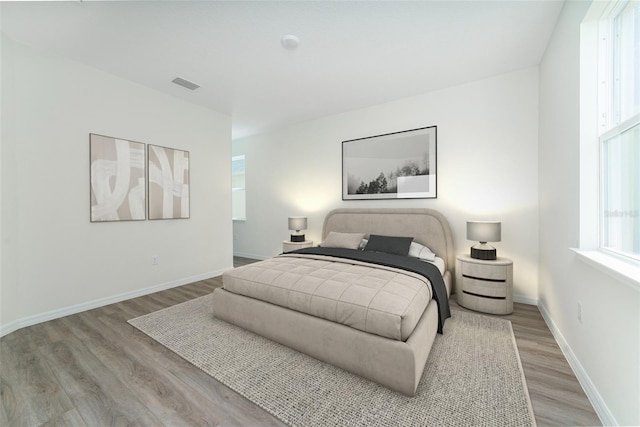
(483, 285)
(288, 246)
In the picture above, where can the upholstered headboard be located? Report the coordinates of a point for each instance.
(426, 226)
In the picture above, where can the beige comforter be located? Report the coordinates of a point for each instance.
(380, 300)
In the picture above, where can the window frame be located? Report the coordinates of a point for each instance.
(617, 130)
(611, 104)
(623, 269)
(242, 188)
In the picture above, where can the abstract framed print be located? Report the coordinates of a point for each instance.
(168, 170)
(117, 170)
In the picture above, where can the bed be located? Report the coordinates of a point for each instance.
(281, 298)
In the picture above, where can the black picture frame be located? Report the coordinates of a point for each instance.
(398, 165)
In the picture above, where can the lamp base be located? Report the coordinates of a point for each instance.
(297, 238)
(483, 251)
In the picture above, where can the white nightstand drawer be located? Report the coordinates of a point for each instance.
(482, 271)
(488, 305)
(484, 288)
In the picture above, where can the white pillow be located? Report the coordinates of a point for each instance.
(342, 240)
(363, 243)
(419, 251)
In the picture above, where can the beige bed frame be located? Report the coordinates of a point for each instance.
(394, 364)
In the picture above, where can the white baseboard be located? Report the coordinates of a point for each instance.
(251, 256)
(56, 314)
(601, 408)
(525, 300)
(10, 327)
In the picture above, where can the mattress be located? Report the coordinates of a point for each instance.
(380, 300)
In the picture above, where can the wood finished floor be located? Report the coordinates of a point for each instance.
(94, 369)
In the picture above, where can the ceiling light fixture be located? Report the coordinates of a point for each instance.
(289, 42)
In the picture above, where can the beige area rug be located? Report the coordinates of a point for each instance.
(473, 376)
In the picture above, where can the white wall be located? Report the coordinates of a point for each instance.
(54, 260)
(604, 349)
(487, 168)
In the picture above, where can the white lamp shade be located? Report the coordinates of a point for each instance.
(297, 223)
(484, 231)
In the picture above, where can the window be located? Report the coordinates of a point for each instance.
(238, 196)
(619, 128)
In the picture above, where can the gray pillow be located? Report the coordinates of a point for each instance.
(389, 244)
(342, 240)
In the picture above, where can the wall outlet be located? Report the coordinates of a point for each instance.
(154, 260)
(580, 312)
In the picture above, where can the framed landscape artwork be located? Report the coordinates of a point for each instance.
(117, 170)
(168, 170)
(400, 165)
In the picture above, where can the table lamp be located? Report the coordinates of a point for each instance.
(297, 223)
(483, 232)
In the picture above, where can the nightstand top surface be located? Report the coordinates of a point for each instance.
(498, 261)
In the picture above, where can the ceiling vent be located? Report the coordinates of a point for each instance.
(185, 83)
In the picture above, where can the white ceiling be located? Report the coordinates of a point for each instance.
(351, 54)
